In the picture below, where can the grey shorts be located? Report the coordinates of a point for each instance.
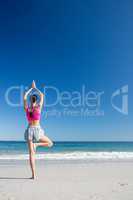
(33, 133)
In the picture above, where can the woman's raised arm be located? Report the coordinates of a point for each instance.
(25, 98)
(41, 95)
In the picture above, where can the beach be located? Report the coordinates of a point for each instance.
(62, 180)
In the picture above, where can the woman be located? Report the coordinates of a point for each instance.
(34, 134)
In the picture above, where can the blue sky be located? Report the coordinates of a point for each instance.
(67, 44)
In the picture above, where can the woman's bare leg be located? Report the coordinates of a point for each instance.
(44, 141)
(32, 158)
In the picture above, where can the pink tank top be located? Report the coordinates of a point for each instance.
(33, 113)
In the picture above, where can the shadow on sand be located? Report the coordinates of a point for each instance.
(14, 178)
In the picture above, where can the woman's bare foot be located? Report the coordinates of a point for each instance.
(33, 178)
(50, 144)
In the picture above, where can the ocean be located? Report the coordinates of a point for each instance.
(14, 150)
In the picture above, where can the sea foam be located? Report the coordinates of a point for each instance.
(73, 156)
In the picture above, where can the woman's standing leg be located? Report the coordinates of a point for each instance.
(32, 157)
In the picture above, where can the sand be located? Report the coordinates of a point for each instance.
(67, 180)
